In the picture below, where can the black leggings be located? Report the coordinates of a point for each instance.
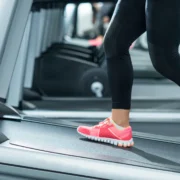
(131, 18)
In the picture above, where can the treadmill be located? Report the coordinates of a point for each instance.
(45, 148)
(144, 90)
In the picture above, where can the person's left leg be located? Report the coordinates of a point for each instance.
(127, 24)
(163, 34)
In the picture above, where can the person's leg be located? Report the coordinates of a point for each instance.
(163, 33)
(127, 23)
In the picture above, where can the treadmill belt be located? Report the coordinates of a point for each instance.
(64, 140)
(170, 129)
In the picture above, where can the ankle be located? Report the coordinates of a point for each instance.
(121, 123)
(121, 117)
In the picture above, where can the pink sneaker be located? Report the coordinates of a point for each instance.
(106, 132)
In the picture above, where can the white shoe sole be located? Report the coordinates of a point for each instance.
(115, 142)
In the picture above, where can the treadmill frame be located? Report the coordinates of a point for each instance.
(38, 165)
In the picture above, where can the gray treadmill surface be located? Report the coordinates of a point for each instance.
(170, 129)
(65, 140)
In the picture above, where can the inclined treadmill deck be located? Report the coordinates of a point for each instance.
(161, 128)
(62, 139)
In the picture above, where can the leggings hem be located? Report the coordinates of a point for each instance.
(118, 105)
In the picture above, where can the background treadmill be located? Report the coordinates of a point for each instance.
(50, 55)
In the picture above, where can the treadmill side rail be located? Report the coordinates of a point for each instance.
(51, 166)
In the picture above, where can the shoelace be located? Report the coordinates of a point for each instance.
(106, 121)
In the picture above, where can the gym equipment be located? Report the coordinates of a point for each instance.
(146, 159)
(60, 59)
(77, 83)
(6, 57)
(85, 78)
(88, 67)
(76, 104)
(86, 50)
(86, 54)
(45, 36)
(89, 74)
(64, 149)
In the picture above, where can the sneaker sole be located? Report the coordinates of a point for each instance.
(115, 142)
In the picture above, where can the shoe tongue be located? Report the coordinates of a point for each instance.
(108, 119)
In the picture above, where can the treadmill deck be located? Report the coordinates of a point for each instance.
(65, 140)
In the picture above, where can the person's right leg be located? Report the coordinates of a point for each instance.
(163, 33)
(127, 24)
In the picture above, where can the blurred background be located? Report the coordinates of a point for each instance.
(90, 21)
(84, 27)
